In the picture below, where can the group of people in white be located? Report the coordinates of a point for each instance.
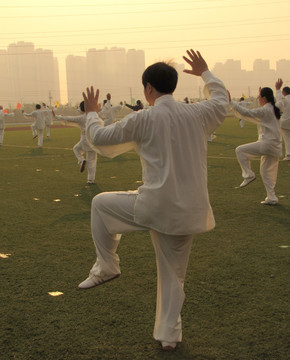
(173, 202)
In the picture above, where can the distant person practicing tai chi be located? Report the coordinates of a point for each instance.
(105, 110)
(39, 124)
(283, 103)
(173, 202)
(2, 123)
(47, 118)
(268, 146)
(244, 104)
(82, 146)
(108, 112)
(137, 107)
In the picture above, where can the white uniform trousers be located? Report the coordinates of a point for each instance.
(286, 138)
(91, 159)
(268, 166)
(113, 214)
(47, 126)
(39, 133)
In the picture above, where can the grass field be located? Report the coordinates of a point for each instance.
(237, 285)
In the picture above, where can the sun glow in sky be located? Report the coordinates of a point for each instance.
(164, 29)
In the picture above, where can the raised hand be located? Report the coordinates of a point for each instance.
(197, 63)
(91, 100)
(278, 84)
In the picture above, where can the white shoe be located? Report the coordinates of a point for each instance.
(247, 181)
(94, 280)
(168, 346)
(269, 202)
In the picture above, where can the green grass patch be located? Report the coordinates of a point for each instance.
(237, 285)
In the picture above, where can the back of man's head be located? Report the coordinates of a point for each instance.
(37, 106)
(161, 76)
(82, 106)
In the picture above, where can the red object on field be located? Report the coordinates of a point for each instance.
(5, 111)
(18, 106)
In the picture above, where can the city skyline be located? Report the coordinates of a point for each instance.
(164, 29)
(34, 76)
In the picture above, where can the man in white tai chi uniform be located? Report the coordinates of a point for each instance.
(47, 118)
(173, 202)
(39, 124)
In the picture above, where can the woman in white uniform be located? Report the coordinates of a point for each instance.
(268, 146)
(39, 124)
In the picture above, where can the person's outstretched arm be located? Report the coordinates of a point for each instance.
(214, 110)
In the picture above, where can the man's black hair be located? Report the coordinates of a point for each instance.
(37, 106)
(161, 76)
(82, 106)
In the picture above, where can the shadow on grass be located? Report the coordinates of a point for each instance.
(279, 214)
(85, 195)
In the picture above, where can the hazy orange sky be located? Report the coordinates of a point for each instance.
(220, 29)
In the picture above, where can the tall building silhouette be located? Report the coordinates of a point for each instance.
(283, 71)
(28, 75)
(113, 70)
(76, 76)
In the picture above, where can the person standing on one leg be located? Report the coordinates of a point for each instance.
(39, 124)
(268, 146)
(173, 202)
(283, 103)
(83, 146)
(2, 123)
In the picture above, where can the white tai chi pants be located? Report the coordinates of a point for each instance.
(113, 214)
(91, 159)
(286, 138)
(268, 166)
(47, 130)
(39, 133)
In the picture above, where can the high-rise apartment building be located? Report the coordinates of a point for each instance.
(113, 70)
(28, 75)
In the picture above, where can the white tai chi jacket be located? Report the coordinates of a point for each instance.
(283, 103)
(171, 139)
(112, 115)
(105, 110)
(269, 132)
(39, 116)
